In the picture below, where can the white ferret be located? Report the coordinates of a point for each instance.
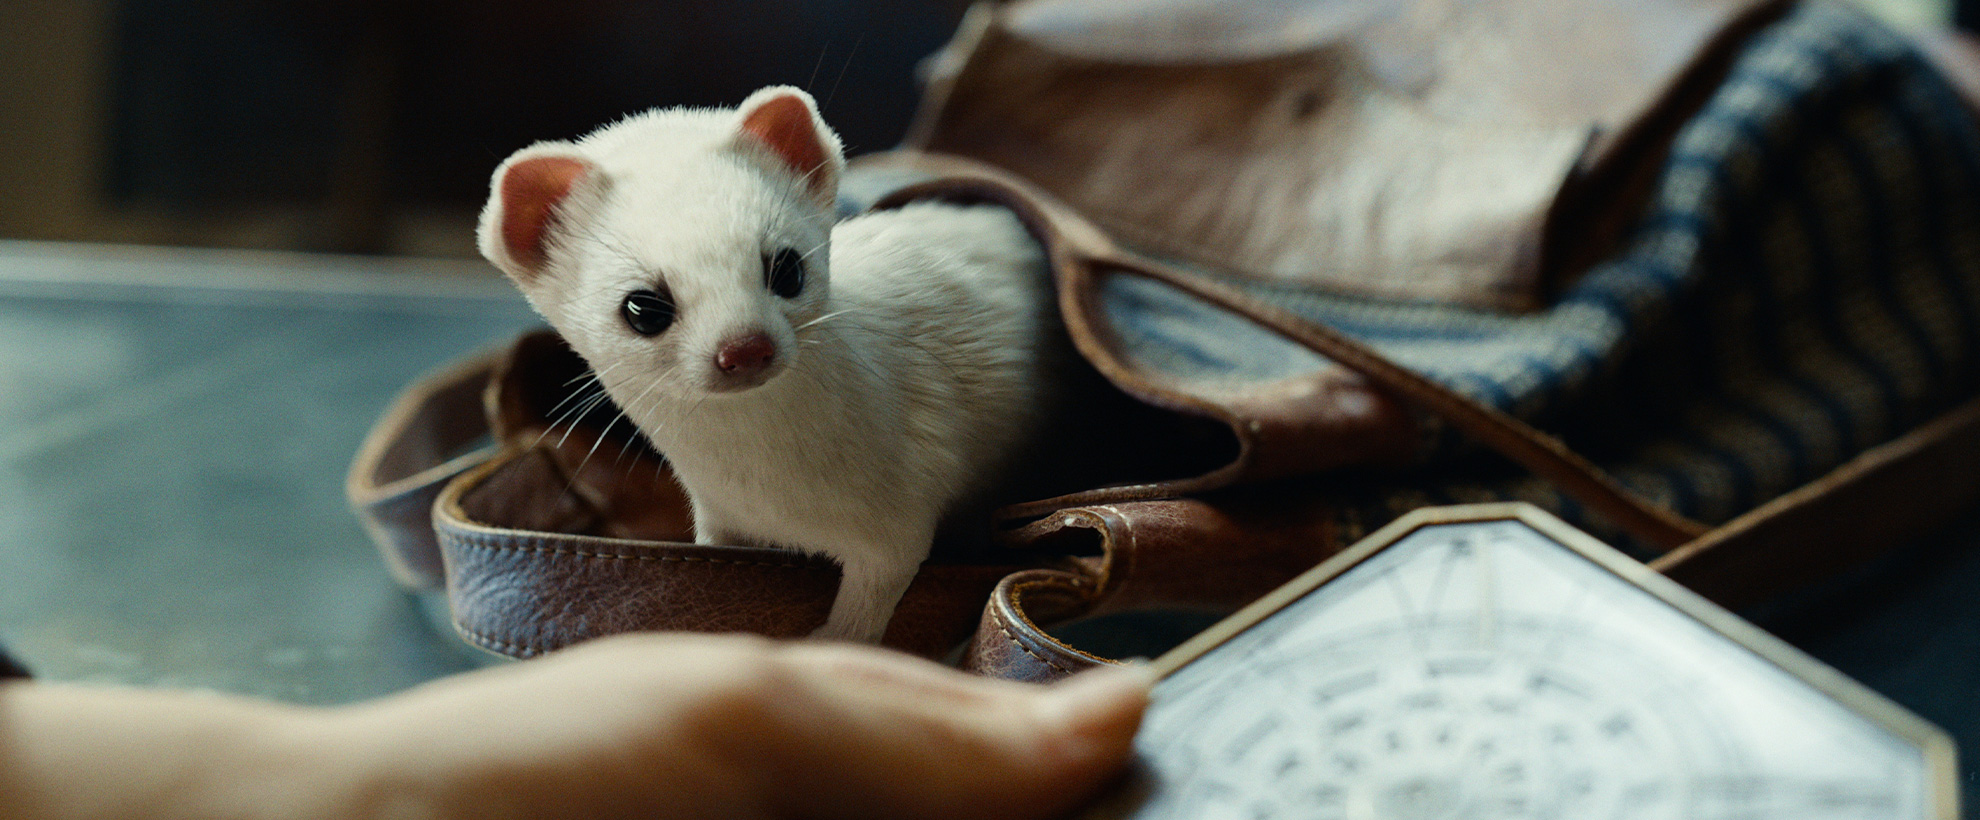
(833, 388)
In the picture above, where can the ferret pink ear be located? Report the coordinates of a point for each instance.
(784, 120)
(523, 208)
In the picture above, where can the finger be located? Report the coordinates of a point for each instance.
(862, 733)
(861, 670)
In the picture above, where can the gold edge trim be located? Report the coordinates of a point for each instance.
(1942, 772)
(1853, 695)
(1328, 570)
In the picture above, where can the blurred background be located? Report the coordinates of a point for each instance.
(370, 126)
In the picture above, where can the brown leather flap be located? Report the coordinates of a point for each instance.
(432, 432)
(1394, 148)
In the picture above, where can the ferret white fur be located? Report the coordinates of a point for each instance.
(844, 419)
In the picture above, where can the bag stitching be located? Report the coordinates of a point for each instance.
(1076, 582)
(492, 544)
(519, 650)
(1002, 626)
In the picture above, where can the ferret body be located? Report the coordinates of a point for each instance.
(830, 388)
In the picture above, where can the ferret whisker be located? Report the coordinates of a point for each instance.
(615, 246)
(788, 196)
(904, 338)
(602, 434)
(631, 410)
(846, 354)
(806, 256)
(815, 66)
(805, 178)
(584, 391)
(697, 405)
(660, 467)
(588, 407)
(640, 435)
(626, 448)
(821, 319)
(842, 72)
(588, 378)
(913, 342)
(573, 416)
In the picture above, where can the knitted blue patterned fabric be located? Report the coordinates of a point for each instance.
(1802, 287)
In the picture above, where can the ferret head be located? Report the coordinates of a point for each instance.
(680, 251)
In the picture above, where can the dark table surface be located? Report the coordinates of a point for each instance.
(174, 431)
(175, 426)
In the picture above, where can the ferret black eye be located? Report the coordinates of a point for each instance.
(646, 312)
(783, 273)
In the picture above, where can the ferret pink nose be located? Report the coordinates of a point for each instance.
(746, 354)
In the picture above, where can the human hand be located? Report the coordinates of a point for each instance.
(675, 725)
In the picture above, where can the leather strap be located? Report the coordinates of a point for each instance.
(1890, 495)
(1009, 641)
(1079, 255)
(1524, 444)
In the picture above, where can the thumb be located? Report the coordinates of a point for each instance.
(883, 735)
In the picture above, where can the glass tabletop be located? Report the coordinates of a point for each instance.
(174, 432)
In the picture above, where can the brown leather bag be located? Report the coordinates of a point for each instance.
(1205, 496)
